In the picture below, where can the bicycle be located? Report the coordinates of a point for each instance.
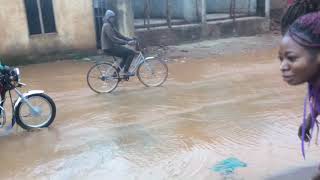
(104, 77)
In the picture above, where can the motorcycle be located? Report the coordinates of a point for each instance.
(31, 110)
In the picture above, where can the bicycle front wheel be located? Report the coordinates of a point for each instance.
(152, 72)
(103, 78)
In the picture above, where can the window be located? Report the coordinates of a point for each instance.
(40, 16)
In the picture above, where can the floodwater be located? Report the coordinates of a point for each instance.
(209, 110)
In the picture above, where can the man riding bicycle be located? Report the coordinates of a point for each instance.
(104, 77)
(112, 43)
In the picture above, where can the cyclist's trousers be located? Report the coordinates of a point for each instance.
(126, 54)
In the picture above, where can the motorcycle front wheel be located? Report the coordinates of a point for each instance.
(41, 115)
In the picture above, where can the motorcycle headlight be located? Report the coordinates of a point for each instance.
(17, 70)
(16, 74)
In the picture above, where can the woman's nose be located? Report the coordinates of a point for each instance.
(284, 65)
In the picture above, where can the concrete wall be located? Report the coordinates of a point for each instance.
(186, 9)
(278, 4)
(221, 29)
(223, 6)
(182, 9)
(139, 5)
(277, 8)
(125, 17)
(74, 22)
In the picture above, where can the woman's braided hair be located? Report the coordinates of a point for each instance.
(306, 30)
(297, 9)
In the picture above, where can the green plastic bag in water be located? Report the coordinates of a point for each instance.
(228, 166)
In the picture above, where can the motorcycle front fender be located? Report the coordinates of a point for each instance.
(27, 94)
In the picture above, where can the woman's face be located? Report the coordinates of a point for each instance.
(297, 64)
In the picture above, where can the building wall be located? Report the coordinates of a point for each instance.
(187, 8)
(248, 26)
(278, 4)
(182, 9)
(219, 6)
(158, 8)
(125, 17)
(277, 8)
(74, 22)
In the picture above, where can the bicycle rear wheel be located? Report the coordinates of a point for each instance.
(103, 78)
(152, 72)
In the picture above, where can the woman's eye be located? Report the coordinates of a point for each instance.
(292, 58)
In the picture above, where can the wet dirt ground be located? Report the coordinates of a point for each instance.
(210, 109)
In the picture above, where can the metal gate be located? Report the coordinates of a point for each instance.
(99, 11)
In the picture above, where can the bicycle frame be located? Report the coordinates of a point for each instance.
(137, 60)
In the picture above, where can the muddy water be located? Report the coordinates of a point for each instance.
(209, 110)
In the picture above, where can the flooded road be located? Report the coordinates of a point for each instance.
(209, 110)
